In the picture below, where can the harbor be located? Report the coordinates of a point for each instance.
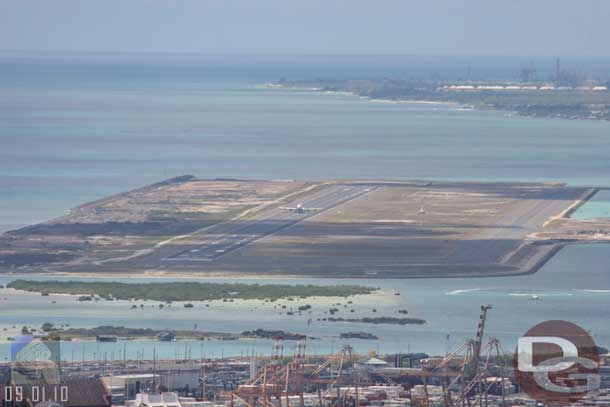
(477, 372)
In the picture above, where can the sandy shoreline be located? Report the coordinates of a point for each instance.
(356, 95)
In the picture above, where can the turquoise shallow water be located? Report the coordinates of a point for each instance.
(574, 286)
(597, 207)
(76, 129)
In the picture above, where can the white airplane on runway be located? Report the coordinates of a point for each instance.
(299, 209)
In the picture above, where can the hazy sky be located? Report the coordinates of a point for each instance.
(423, 27)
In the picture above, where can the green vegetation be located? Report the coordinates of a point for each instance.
(47, 327)
(572, 103)
(130, 333)
(380, 320)
(358, 335)
(263, 333)
(107, 330)
(187, 291)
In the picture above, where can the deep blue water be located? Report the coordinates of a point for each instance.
(75, 127)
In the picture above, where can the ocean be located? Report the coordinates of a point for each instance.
(573, 286)
(76, 127)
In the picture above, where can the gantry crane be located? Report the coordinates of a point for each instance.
(470, 385)
(274, 383)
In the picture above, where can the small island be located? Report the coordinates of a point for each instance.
(109, 333)
(380, 320)
(267, 334)
(358, 335)
(187, 291)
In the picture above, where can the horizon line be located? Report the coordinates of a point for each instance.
(288, 54)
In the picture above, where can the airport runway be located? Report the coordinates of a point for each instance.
(376, 230)
(214, 242)
(498, 241)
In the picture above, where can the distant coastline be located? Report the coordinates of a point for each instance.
(565, 102)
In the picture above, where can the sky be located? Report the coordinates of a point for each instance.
(413, 27)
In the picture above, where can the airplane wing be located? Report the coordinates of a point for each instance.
(310, 209)
(285, 208)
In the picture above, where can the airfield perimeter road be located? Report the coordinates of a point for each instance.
(213, 242)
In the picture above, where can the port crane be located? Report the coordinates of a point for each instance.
(275, 385)
(471, 364)
(466, 374)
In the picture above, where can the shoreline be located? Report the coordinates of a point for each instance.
(536, 250)
(165, 292)
(482, 106)
(359, 96)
